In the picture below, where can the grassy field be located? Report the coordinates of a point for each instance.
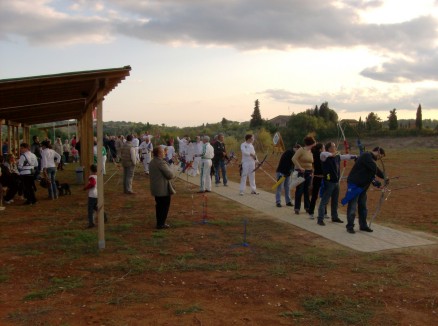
(52, 273)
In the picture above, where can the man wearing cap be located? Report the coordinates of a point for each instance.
(361, 176)
(206, 156)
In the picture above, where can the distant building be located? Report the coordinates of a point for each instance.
(280, 121)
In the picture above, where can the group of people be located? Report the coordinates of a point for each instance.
(319, 166)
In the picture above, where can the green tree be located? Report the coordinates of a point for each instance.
(392, 120)
(373, 122)
(419, 118)
(256, 117)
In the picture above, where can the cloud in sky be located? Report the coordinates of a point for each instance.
(406, 46)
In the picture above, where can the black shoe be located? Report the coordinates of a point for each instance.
(366, 229)
(201, 191)
(91, 226)
(321, 223)
(351, 231)
(165, 226)
(278, 205)
(297, 211)
(289, 204)
(337, 220)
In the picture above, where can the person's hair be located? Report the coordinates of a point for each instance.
(309, 140)
(129, 138)
(155, 151)
(380, 150)
(248, 136)
(317, 148)
(328, 145)
(45, 143)
(24, 145)
(207, 138)
(34, 137)
(297, 146)
(93, 168)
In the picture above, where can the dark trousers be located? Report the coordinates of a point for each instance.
(28, 188)
(303, 190)
(92, 207)
(218, 167)
(162, 204)
(359, 202)
(316, 185)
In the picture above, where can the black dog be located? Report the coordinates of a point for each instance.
(63, 188)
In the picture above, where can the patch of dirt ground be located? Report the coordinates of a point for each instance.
(203, 271)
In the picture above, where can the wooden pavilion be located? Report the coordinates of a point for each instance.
(49, 98)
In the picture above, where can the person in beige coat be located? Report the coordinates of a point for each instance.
(160, 175)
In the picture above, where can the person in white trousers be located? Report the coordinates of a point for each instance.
(249, 159)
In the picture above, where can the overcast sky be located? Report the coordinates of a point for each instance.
(197, 61)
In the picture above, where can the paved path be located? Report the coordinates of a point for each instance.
(382, 238)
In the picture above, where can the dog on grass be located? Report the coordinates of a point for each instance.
(63, 188)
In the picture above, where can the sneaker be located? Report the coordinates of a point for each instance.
(311, 216)
(326, 216)
(278, 205)
(9, 201)
(337, 220)
(297, 211)
(241, 193)
(225, 185)
(321, 223)
(254, 193)
(289, 204)
(351, 231)
(366, 229)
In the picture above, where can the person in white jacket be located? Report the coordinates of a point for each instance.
(249, 159)
(49, 163)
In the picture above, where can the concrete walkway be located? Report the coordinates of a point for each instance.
(382, 238)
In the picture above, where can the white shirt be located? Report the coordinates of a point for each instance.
(247, 149)
(27, 162)
(207, 151)
(146, 148)
(48, 157)
(170, 152)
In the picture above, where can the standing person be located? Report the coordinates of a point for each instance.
(361, 176)
(104, 156)
(284, 169)
(206, 157)
(112, 149)
(146, 150)
(66, 151)
(119, 144)
(220, 155)
(57, 147)
(170, 152)
(5, 148)
(136, 144)
(197, 157)
(331, 169)
(161, 186)
(303, 161)
(92, 196)
(249, 159)
(35, 148)
(73, 141)
(26, 165)
(129, 160)
(49, 159)
(317, 177)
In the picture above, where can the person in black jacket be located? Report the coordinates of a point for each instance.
(361, 176)
(220, 154)
(331, 170)
(317, 177)
(284, 169)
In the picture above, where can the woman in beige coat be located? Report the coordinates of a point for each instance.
(160, 175)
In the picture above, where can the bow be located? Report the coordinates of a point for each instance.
(346, 148)
(383, 190)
